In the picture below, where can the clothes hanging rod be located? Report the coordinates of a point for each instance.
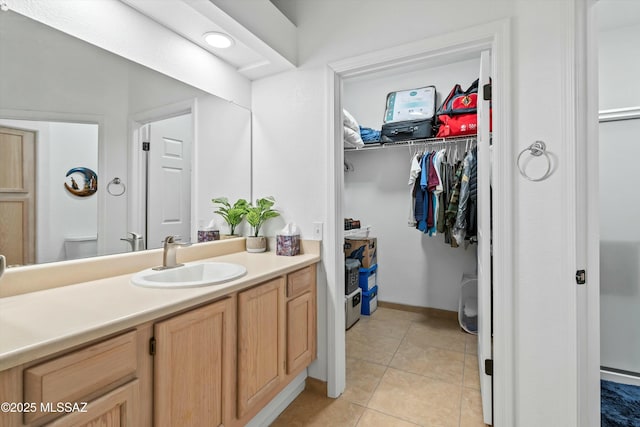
(414, 142)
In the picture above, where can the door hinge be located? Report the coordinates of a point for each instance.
(581, 277)
(146, 146)
(488, 366)
(486, 92)
(152, 346)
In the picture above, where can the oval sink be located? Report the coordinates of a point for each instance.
(190, 275)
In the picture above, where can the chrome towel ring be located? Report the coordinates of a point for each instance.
(536, 149)
(117, 182)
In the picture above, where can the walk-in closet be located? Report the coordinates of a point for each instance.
(422, 271)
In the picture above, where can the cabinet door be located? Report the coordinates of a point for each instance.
(301, 332)
(116, 409)
(260, 344)
(194, 367)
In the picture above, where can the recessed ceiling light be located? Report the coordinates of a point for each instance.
(219, 40)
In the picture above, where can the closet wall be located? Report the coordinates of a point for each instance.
(414, 269)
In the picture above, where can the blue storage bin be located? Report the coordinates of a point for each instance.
(368, 278)
(369, 301)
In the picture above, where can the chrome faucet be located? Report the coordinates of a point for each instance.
(169, 256)
(3, 264)
(136, 241)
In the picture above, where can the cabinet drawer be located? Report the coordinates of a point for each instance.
(301, 281)
(82, 374)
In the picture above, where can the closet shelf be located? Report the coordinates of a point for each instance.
(413, 142)
(362, 232)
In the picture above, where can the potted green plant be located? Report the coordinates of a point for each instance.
(232, 214)
(256, 216)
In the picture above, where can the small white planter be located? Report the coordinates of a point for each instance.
(256, 244)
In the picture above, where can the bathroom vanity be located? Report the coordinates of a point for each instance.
(106, 352)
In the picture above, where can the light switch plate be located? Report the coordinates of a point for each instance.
(317, 230)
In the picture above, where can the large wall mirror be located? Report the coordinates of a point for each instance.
(74, 178)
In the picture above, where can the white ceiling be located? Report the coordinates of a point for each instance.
(250, 55)
(266, 44)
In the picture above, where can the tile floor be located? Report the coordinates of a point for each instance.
(403, 369)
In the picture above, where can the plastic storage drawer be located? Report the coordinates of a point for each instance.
(352, 303)
(351, 271)
(369, 301)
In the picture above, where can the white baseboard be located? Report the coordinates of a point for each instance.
(269, 413)
(619, 378)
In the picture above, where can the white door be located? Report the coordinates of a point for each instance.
(484, 239)
(169, 180)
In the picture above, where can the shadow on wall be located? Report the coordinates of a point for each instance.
(619, 268)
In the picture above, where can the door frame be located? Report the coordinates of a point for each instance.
(583, 174)
(136, 215)
(494, 36)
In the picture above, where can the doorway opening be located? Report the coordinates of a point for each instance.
(492, 37)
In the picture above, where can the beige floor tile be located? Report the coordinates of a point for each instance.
(375, 349)
(393, 328)
(471, 412)
(434, 362)
(383, 313)
(362, 379)
(440, 324)
(440, 335)
(377, 419)
(471, 372)
(472, 344)
(314, 410)
(418, 399)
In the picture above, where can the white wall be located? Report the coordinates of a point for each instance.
(619, 67)
(223, 157)
(619, 87)
(290, 116)
(413, 268)
(59, 214)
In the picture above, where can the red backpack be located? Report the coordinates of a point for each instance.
(458, 114)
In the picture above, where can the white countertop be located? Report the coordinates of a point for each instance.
(38, 324)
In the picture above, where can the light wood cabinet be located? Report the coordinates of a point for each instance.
(86, 375)
(214, 365)
(301, 336)
(261, 345)
(116, 409)
(194, 367)
(301, 319)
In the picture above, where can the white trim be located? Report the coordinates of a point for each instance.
(585, 166)
(619, 114)
(573, 190)
(504, 379)
(619, 378)
(334, 261)
(278, 404)
(494, 36)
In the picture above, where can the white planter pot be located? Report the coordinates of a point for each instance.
(256, 244)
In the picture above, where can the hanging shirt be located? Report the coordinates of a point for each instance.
(414, 174)
(452, 207)
(422, 197)
(460, 227)
(437, 192)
